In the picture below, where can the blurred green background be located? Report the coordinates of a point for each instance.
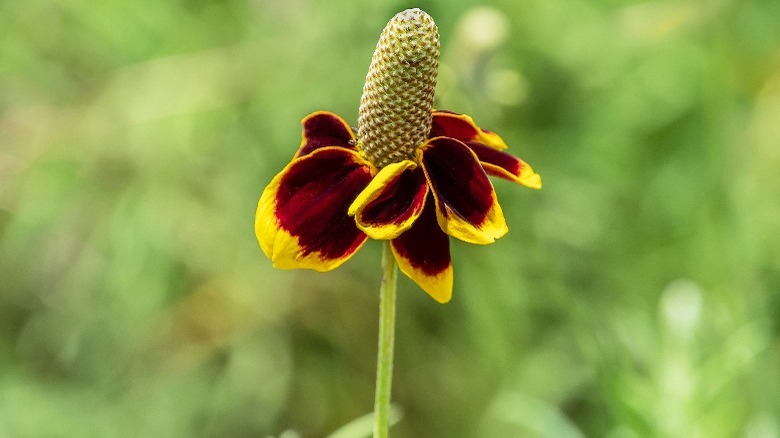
(635, 295)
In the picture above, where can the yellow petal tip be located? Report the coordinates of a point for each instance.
(439, 287)
(529, 178)
(532, 182)
(493, 228)
(288, 254)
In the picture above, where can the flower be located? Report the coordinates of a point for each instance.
(412, 175)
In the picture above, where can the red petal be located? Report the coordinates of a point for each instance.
(302, 219)
(505, 165)
(449, 124)
(323, 129)
(465, 199)
(392, 201)
(423, 254)
(462, 127)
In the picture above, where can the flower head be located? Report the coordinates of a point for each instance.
(413, 175)
(395, 109)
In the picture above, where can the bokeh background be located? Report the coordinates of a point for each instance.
(635, 295)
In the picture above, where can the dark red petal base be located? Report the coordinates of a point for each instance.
(313, 199)
(401, 198)
(487, 154)
(425, 246)
(444, 124)
(323, 129)
(458, 180)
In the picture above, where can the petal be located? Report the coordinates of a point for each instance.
(462, 127)
(392, 201)
(423, 254)
(322, 129)
(505, 165)
(302, 220)
(466, 203)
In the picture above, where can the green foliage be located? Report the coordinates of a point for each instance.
(635, 295)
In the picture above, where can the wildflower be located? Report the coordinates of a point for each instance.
(412, 175)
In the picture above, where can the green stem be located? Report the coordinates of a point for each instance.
(384, 361)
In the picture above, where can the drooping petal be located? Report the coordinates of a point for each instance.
(466, 204)
(323, 129)
(302, 219)
(505, 165)
(423, 254)
(392, 201)
(462, 127)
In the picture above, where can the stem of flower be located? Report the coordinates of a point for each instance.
(384, 362)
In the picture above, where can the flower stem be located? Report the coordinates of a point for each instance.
(384, 362)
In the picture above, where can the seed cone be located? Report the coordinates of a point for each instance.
(397, 101)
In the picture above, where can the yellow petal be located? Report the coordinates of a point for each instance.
(423, 254)
(466, 203)
(438, 286)
(301, 219)
(493, 226)
(391, 202)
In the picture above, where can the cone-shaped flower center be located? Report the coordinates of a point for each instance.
(397, 102)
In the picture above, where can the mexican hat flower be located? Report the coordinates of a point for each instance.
(412, 175)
